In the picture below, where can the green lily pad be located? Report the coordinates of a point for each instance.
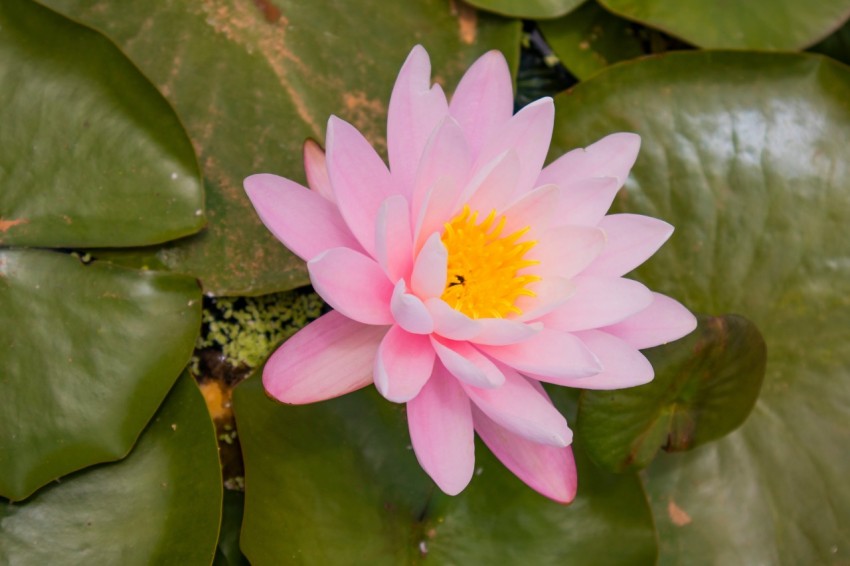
(590, 39)
(337, 482)
(160, 505)
(90, 152)
(748, 155)
(755, 24)
(528, 9)
(228, 552)
(89, 353)
(705, 386)
(252, 80)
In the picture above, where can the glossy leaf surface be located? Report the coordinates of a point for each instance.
(705, 386)
(528, 9)
(756, 24)
(350, 490)
(85, 363)
(90, 152)
(160, 505)
(252, 79)
(748, 154)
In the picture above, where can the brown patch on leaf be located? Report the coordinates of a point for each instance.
(366, 114)
(467, 19)
(678, 515)
(270, 12)
(241, 23)
(5, 225)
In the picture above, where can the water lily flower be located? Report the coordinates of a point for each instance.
(466, 273)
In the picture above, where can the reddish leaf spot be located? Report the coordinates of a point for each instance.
(678, 515)
(270, 12)
(5, 225)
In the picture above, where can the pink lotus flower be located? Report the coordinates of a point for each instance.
(466, 273)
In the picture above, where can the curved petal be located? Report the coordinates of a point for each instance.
(632, 239)
(585, 202)
(612, 156)
(415, 109)
(534, 210)
(439, 207)
(331, 356)
(353, 284)
(549, 352)
(360, 180)
(502, 331)
(445, 155)
(484, 99)
(468, 364)
(528, 133)
(566, 250)
(450, 323)
(393, 238)
(403, 364)
(549, 470)
(494, 186)
(522, 409)
(409, 311)
(549, 294)
(440, 423)
(317, 170)
(624, 365)
(599, 301)
(662, 321)
(429, 271)
(305, 222)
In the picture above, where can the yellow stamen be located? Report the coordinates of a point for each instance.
(484, 279)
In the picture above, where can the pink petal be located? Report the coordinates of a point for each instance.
(317, 170)
(534, 210)
(415, 110)
(360, 180)
(599, 301)
(501, 331)
(305, 222)
(632, 239)
(624, 365)
(494, 185)
(566, 250)
(468, 364)
(329, 357)
(549, 470)
(612, 156)
(429, 271)
(403, 364)
(528, 133)
(446, 155)
(520, 408)
(550, 293)
(438, 208)
(393, 238)
(353, 284)
(440, 424)
(409, 311)
(484, 99)
(585, 202)
(549, 352)
(662, 321)
(450, 323)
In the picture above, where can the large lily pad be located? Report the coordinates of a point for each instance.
(528, 9)
(160, 505)
(336, 482)
(748, 154)
(252, 79)
(705, 386)
(90, 152)
(84, 363)
(755, 24)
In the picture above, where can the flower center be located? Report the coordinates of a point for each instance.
(484, 277)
